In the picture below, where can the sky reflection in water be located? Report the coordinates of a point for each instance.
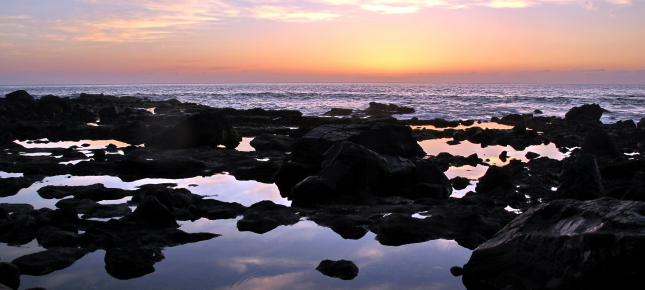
(284, 258)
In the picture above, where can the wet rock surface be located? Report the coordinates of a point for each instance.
(564, 244)
(364, 173)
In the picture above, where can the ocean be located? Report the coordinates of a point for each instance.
(454, 101)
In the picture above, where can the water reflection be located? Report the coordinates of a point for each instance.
(284, 258)
(222, 187)
(245, 145)
(490, 154)
(89, 144)
(483, 125)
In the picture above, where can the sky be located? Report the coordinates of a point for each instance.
(226, 41)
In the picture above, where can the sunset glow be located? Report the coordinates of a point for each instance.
(90, 41)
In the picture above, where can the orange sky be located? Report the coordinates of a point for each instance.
(95, 41)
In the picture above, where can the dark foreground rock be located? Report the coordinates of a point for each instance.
(9, 275)
(565, 244)
(203, 129)
(341, 269)
(127, 264)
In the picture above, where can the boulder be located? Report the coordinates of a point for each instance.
(152, 213)
(460, 183)
(599, 143)
(581, 179)
(202, 129)
(342, 269)
(588, 114)
(20, 97)
(565, 244)
(45, 262)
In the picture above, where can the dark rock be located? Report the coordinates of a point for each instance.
(267, 142)
(45, 262)
(127, 264)
(96, 192)
(338, 112)
(9, 275)
(342, 269)
(153, 213)
(203, 129)
(99, 155)
(564, 244)
(599, 143)
(538, 112)
(265, 216)
(531, 155)
(399, 229)
(50, 237)
(388, 139)
(456, 271)
(460, 183)
(496, 178)
(20, 97)
(503, 156)
(11, 186)
(585, 114)
(93, 209)
(378, 109)
(581, 179)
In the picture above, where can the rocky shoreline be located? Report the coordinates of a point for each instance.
(582, 221)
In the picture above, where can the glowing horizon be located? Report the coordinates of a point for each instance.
(90, 41)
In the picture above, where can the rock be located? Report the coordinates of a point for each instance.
(11, 186)
(9, 275)
(565, 244)
(581, 179)
(342, 269)
(267, 142)
(399, 229)
(50, 237)
(588, 114)
(203, 129)
(387, 139)
(531, 155)
(45, 262)
(20, 97)
(538, 112)
(456, 271)
(95, 192)
(600, 144)
(150, 212)
(495, 178)
(503, 156)
(338, 112)
(378, 109)
(265, 216)
(125, 264)
(93, 209)
(460, 183)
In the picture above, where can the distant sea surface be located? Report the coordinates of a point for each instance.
(468, 101)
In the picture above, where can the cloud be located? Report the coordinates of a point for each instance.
(154, 20)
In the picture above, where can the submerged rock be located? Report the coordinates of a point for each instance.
(565, 244)
(265, 216)
(342, 269)
(378, 109)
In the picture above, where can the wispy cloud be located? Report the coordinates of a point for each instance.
(150, 20)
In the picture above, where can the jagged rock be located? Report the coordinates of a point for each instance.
(19, 97)
(95, 192)
(153, 213)
(203, 129)
(599, 143)
(565, 244)
(342, 269)
(581, 179)
(11, 186)
(50, 237)
(45, 262)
